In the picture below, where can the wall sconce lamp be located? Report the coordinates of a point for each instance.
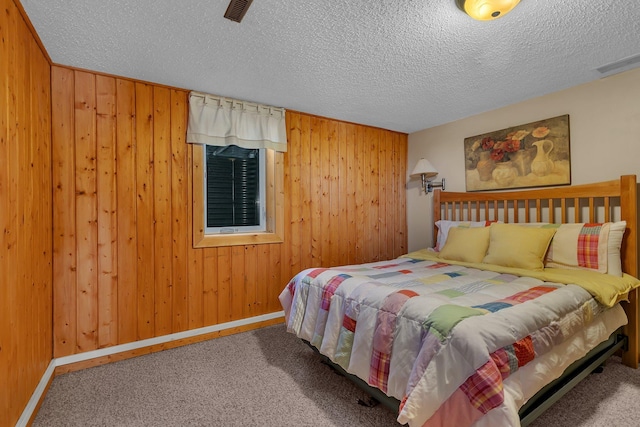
(425, 170)
(486, 10)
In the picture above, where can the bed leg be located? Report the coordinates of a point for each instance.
(331, 366)
(630, 357)
(370, 402)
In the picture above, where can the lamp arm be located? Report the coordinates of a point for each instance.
(430, 185)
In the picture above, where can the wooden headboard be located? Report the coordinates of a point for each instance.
(600, 202)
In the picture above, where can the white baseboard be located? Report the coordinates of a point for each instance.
(37, 395)
(88, 355)
(61, 361)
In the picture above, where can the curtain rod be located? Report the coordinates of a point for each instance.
(234, 103)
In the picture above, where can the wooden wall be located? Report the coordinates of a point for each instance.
(124, 265)
(25, 214)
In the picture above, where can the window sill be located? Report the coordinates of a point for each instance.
(240, 239)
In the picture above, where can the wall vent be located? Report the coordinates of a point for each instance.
(237, 9)
(619, 64)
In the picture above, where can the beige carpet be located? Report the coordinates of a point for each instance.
(269, 378)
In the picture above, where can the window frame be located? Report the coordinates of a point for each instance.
(274, 200)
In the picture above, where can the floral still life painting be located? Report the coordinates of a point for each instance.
(531, 155)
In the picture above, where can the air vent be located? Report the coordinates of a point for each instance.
(237, 9)
(619, 64)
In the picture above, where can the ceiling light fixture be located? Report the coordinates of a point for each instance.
(486, 10)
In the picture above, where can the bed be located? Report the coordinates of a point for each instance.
(527, 292)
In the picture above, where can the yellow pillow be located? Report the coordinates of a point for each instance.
(466, 244)
(517, 246)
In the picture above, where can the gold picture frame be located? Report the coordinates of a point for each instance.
(535, 154)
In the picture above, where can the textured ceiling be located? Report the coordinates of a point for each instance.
(404, 65)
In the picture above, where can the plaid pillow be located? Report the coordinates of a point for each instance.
(587, 246)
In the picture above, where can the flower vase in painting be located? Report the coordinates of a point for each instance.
(505, 173)
(522, 162)
(485, 166)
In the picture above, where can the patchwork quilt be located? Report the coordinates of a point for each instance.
(440, 338)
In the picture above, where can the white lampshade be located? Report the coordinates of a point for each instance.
(424, 167)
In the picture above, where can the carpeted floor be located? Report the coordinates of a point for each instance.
(270, 378)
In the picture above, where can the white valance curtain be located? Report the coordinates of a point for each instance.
(214, 120)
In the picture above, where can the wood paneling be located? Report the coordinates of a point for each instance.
(179, 221)
(126, 314)
(86, 211)
(25, 214)
(106, 211)
(126, 268)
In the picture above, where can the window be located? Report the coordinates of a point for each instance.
(237, 151)
(217, 220)
(234, 190)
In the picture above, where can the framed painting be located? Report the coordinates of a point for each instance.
(531, 155)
